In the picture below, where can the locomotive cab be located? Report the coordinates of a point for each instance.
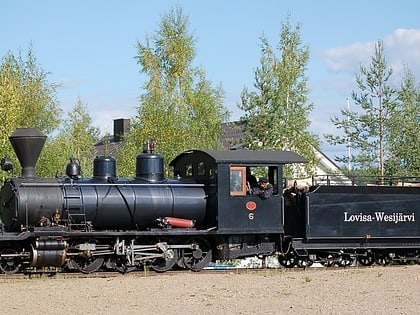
(231, 205)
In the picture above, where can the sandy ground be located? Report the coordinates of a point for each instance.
(375, 290)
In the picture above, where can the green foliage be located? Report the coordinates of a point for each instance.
(383, 130)
(404, 141)
(180, 108)
(27, 99)
(75, 139)
(276, 114)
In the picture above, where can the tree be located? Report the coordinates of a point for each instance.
(180, 108)
(75, 139)
(404, 142)
(368, 129)
(276, 114)
(27, 99)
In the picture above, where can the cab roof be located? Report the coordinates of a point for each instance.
(246, 156)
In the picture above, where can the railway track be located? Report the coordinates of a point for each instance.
(36, 274)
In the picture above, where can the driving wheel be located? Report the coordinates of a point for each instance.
(166, 262)
(198, 256)
(86, 264)
(9, 261)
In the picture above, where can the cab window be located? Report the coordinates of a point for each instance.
(201, 169)
(237, 181)
(188, 170)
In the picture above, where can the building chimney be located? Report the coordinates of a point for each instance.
(121, 127)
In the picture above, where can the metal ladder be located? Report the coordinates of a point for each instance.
(76, 210)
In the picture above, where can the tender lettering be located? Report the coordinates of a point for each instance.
(380, 216)
(360, 217)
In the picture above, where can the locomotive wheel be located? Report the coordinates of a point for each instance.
(288, 260)
(367, 260)
(165, 263)
(87, 264)
(162, 264)
(327, 260)
(403, 258)
(122, 265)
(197, 258)
(180, 262)
(303, 263)
(9, 265)
(382, 259)
(345, 261)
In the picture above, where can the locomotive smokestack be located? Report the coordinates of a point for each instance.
(28, 143)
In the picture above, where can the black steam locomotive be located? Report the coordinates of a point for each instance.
(205, 213)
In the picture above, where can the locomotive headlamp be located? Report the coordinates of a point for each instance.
(6, 164)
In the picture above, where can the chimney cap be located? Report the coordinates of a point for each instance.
(28, 143)
(27, 132)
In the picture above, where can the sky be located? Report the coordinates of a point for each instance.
(89, 47)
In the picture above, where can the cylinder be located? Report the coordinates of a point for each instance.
(50, 244)
(48, 258)
(48, 253)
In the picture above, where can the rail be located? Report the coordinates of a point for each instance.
(343, 180)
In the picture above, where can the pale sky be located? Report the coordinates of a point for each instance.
(89, 46)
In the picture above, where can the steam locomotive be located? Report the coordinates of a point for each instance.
(204, 213)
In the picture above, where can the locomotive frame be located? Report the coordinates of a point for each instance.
(205, 213)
